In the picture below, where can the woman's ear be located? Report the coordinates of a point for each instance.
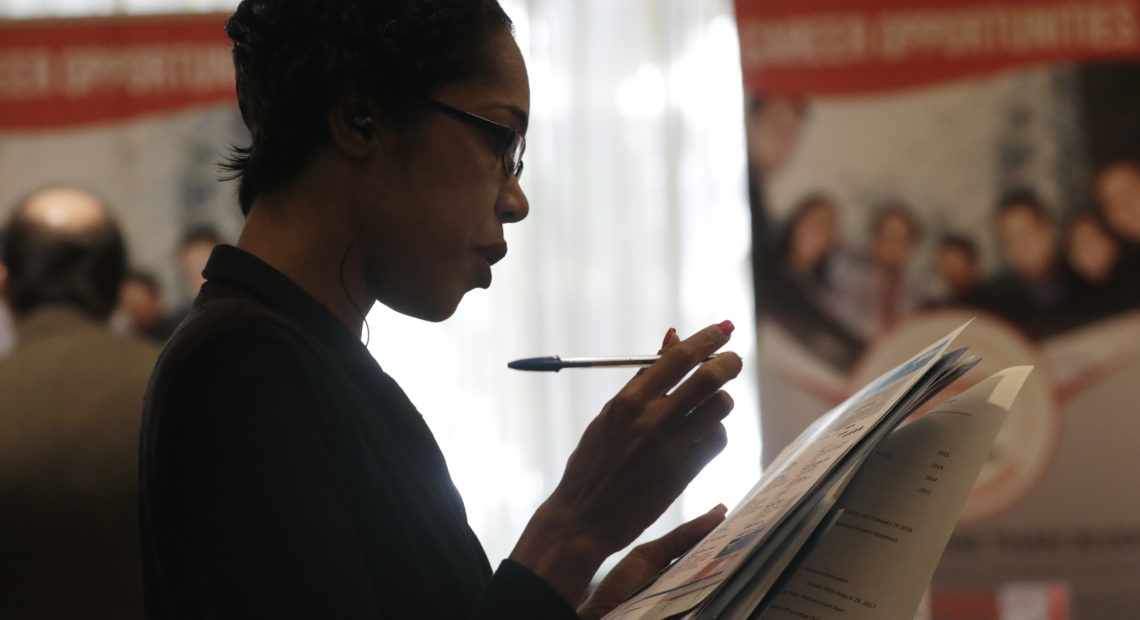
(353, 129)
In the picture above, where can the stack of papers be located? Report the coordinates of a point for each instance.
(850, 520)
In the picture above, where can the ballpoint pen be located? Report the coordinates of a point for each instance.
(555, 363)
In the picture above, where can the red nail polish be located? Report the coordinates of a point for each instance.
(726, 327)
(668, 337)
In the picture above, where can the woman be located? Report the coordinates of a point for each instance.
(283, 473)
(1104, 284)
(799, 289)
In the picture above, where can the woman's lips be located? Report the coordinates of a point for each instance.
(491, 254)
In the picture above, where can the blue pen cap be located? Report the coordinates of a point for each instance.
(551, 363)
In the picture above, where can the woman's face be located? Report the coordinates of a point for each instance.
(439, 226)
(1029, 241)
(958, 269)
(1091, 251)
(813, 235)
(1118, 188)
(892, 243)
(773, 133)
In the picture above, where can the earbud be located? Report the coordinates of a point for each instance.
(363, 124)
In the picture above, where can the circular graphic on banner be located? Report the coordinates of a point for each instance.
(1026, 445)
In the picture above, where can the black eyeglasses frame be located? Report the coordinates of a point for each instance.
(504, 137)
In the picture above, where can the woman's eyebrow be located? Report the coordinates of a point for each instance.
(519, 114)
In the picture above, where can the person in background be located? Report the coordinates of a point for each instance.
(799, 283)
(1117, 189)
(193, 251)
(1035, 290)
(811, 238)
(773, 126)
(1117, 186)
(1105, 285)
(873, 291)
(7, 325)
(72, 397)
(140, 306)
(958, 271)
(1091, 251)
(284, 474)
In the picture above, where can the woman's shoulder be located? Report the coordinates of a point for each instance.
(234, 368)
(236, 335)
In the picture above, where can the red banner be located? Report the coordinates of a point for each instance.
(59, 73)
(835, 47)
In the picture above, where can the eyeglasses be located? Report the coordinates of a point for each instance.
(510, 143)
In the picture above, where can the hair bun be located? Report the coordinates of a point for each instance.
(245, 24)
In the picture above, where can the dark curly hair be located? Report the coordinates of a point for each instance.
(1021, 198)
(805, 205)
(897, 209)
(294, 58)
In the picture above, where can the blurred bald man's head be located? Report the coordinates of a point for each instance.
(62, 247)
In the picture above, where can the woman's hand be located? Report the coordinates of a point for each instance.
(634, 459)
(645, 561)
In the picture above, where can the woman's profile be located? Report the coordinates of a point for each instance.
(284, 474)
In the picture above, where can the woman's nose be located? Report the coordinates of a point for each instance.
(513, 205)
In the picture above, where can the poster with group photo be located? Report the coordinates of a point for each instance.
(913, 164)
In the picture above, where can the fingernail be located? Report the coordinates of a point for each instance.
(726, 327)
(721, 508)
(668, 336)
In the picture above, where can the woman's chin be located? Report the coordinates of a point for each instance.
(441, 314)
(434, 310)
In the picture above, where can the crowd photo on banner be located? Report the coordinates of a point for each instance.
(838, 268)
(1011, 199)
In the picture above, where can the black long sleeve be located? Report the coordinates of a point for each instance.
(285, 475)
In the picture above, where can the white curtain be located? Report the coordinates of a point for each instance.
(638, 222)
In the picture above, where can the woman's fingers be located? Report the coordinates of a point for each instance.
(639, 454)
(710, 377)
(703, 450)
(670, 340)
(645, 561)
(704, 418)
(660, 552)
(677, 361)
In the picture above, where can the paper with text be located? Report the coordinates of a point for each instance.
(894, 520)
(798, 470)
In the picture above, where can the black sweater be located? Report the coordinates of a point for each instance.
(285, 475)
